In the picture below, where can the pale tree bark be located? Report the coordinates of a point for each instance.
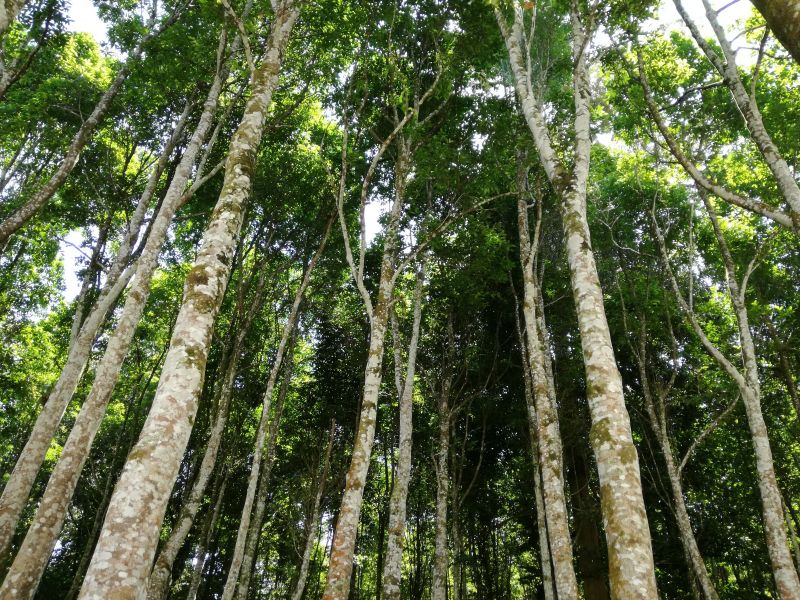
(23, 214)
(541, 523)
(340, 568)
(783, 18)
(201, 556)
(392, 568)
(158, 583)
(123, 557)
(548, 434)
(257, 519)
(9, 10)
(239, 553)
(19, 484)
(313, 520)
(31, 560)
(655, 401)
(441, 556)
(749, 385)
(745, 102)
(631, 565)
(783, 218)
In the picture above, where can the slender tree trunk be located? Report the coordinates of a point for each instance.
(631, 565)
(205, 542)
(123, 557)
(727, 68)
(24, 213)
(344, 540)
(392, 569)
(20, 482)
(313, 520)
(158, 583)
(541, 522)
(257, 520)
(32, 558)
(548, 435)
(783, 18)
(441, 557)
(255, 471)
(699, 575)
(784, 572)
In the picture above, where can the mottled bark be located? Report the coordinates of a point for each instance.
(31, 206)
(201, 556)
(9, 9)
(541, 522)
(441, 556)
(548, 435)
(240, 548)
(257, 519)
(340, 569)
(748, 382)
(392, 568)
(21, 479)
(631, 565)
(783, 18)
(23, 578)
(158, 583)
(745, 102)
(313, 519)
(655, 406)
(123, 557)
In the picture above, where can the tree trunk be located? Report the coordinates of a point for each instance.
(20, 482)
(9, 9)
(783, 18)
(35, 551)
(255, 471)
(698, 574)
(205, 542)
(123, 557)
(344, 540)
(392, 570)
(541, 523)
(257, 520)
(158, 583)
(313, 521)
(548, 435)
(441, 558)
(631, 565)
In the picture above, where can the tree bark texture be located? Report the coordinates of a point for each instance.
(123, 557)
(631, 565)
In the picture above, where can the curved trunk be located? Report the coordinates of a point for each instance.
(123, 557)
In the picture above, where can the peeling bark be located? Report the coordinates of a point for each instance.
(123, 557)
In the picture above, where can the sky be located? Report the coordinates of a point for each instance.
(84, 19)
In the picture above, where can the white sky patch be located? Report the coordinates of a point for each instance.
(70, 256)
(84, 19)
